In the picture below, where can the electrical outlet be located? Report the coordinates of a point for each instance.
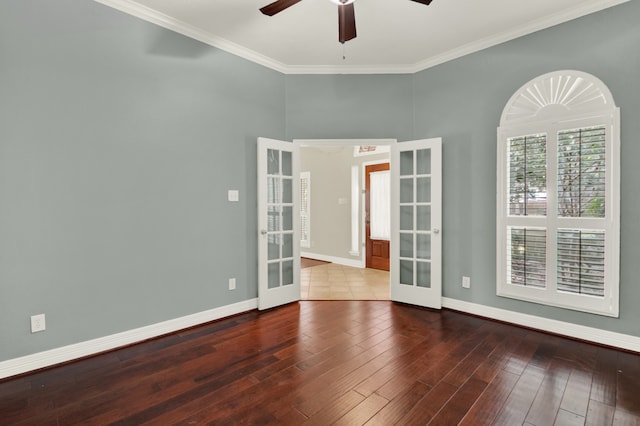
(466, 282)
(232, 283)
(38, 323)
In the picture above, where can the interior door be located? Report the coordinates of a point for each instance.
(416, 219)
(377, 248)
(279, 234)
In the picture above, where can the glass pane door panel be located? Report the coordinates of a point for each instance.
(415, 266)
(423, 246)
(273, 218)
(273, 162)
(287, 272)
(278, 200)
(423, 160)
(273, 246)
(406, 163)
(406, 190)
(287, 190)
(406, 272)
(423, 274)
(287, 218)
(274, 275)
(287, 245)
(406, 218)
(406, 245)
(273, 190)
(423, 218)
(423, 190)
(286, 163)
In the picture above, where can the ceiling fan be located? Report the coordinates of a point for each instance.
(346, 15)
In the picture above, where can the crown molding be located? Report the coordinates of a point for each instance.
(150, 15)
(532, 27)
(350, 69)
(153, 16)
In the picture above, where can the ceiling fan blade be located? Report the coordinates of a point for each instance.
(277, 6)
(346, 22)
(427, 2)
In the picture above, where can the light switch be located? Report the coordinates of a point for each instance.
(233, 195)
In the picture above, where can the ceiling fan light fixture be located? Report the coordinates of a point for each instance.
(346, 15)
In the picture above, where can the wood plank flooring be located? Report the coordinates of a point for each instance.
(338, 362)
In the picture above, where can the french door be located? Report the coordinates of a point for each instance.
(416, 220)
(278, 224)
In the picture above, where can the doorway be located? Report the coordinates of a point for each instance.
(416, 215)
(335, 173)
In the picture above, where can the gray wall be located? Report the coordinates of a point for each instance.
(118, 143)
(330, 169)
(462, 101)
(119, 140)
(349, 107)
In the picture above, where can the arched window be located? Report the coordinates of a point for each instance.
(558, 220)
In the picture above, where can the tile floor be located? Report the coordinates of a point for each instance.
(337, 282)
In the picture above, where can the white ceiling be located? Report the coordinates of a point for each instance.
(394, 36)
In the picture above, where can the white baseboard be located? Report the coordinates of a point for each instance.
(589, 334)
(55, 356)
(63, 354)
(355, 263)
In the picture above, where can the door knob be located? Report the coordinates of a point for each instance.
(263, 232)
(436, 230)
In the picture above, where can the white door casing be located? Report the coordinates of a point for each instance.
(278, 224)
(416, 220)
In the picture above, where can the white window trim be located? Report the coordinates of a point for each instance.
(355, 209)
(363, 214)
(548, 104)
(385, 211)
(306, 243)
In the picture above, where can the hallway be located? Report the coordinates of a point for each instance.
(330, 281)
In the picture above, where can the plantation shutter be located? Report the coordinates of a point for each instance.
(581, 186)
(558, 199)
(581, 172)
(528, 175)
(581, 261)
(527, 257)
(581, 194)
(527, 195)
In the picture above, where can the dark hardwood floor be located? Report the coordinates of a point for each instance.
(338, 362)
(306, 262)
